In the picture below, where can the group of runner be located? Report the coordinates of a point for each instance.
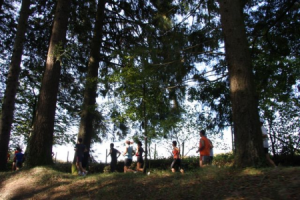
(205, 150)
(128, 154)
(82, 155)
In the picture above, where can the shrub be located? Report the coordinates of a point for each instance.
(225, 159)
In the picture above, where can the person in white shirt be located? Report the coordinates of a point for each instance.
(265, 142)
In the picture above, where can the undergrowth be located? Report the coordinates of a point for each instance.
(212, 182)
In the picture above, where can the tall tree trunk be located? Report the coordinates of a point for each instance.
(8, 105)
(41, 141)
(247, 132)
(145, 130)
(1, 3)
(86, 129)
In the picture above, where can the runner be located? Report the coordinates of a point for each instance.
(128, 153)
(204, 149)
(139, 154)
(114, 157)
(176, 156)
(13, 168)
(19, 159)
(79, 149)
(86, 159)
(211, 152)
(266, 143)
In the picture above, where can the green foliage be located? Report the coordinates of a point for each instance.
(146, 82)
(223, 159)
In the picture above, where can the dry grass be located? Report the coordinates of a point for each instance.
(209, 183)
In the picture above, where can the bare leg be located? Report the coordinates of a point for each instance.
(81, 168)
(13, 168)
(138, 167)
(78, 168)
(130, 170)
(201, 163)
(126, 169)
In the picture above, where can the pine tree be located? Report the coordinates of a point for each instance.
(40, 143)
(8, 104)
(247, 133)
(88, 113)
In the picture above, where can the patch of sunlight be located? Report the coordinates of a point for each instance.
(237, 84)
(251, 171)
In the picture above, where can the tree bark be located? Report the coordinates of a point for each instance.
(247, 132)
(86, 128)
(1, 3)
(8, 105)
(145, 130)
(41, 141)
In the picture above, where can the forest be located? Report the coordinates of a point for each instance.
(149, 59)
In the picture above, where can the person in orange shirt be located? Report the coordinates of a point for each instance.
(176, 158)
(204, 149)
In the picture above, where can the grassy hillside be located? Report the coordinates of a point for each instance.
(208, 183)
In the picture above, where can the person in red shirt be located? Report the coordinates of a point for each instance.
(176, 158)
(204, 149)
(13, 168)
